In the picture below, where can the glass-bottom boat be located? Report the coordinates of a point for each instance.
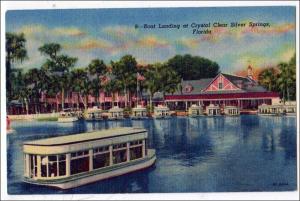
(75, 160)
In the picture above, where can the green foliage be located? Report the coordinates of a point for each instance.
(282, 79)
(193, 67)
(15, 52)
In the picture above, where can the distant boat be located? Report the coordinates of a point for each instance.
(74, 160)
(195, 111)
(161, 112)
(271, 110)
(213, 110)
(139, 112)
(231, 110)
(115, 113)
(67, 116)
(93, 114)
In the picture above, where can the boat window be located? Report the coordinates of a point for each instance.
(62, 165)
(118, 146)
(79, 165)
(137, 142)
(101, 149)
(79, 153)
(101, 160)
(33, 165)
(52, 166)
(136, 153)
(119, 156)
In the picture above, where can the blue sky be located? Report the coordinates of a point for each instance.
(109, 34)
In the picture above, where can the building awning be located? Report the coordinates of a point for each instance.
(247, 95)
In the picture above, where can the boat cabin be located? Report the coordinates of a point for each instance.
(265, 109)
(116, 113)
(195, 110)
(213, 110)
(94, 113)
(231, 110)
(161, 112)
(67, 115)
(139, 112)
(74, 160)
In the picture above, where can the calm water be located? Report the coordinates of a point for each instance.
(205, 154)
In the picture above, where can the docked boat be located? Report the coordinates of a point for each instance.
(161, 112)
(231, 110)
(74, 160)
(139, 112)
(115, 113)
(67, 116)
(291, 108)
(195, 110)
(271, 110)
(213, 110)
(93, 114)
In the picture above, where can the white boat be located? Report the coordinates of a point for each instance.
(161, 112)
(92, 114)
(231, 110)
(139, 112)
(213, 110)
(115, 113)
(271, 110)
(195, 111)
(75, 160)
(67, 116)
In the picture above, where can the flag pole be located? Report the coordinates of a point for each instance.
(137, 82)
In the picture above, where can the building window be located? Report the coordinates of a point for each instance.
(107, 94)
(220, 85)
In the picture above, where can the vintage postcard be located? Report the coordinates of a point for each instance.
(143, 99)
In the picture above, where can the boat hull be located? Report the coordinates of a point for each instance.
(93, 177)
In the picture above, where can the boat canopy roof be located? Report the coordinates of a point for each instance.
(94, 109)
(116, 109)
(213, 106)
(139, 108)
(195, 106)
(161, 107)
(88, 136)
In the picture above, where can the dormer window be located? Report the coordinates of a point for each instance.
(220, 85)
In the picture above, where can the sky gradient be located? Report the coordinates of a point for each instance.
(109, 34)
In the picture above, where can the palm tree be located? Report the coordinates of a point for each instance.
(285, 80)
(152, 81)
(267, 78)
(112, 87)
(58, 65)
(125, 71)
(97, 68)
(15, 52)
(81, 84)
(33, 78)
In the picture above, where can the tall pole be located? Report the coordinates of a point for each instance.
(137, 89)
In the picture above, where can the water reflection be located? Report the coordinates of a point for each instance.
(201, 154)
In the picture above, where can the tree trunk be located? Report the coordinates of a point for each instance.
(288, 94)
(26, 106)
(62, 98)
(125, 92)
(78, 101)
(86, 102)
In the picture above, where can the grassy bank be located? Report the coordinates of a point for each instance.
(47, 119)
